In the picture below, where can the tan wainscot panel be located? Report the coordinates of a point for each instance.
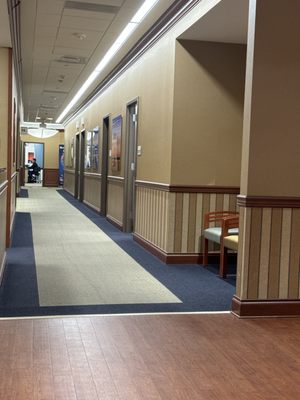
(186, 213)
(92, 190)
(174, 222)
(151, 216)
(115, 200)
(69, 181)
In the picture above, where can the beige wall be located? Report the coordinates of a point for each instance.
(151, 81)
(167, 147)
(50, 148)
(272, 112)
(208, 113)
(4, 55)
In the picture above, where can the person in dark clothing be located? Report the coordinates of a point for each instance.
(33, 171)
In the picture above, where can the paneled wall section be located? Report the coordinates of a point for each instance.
(115, 200)
(151, 220)
(268, 262)
(174, 222)
(69, 181)
(92, 190)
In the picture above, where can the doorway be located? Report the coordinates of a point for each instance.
(104, 166)
(33, 154)
(81, 165)
(77, 152)
(130, 166)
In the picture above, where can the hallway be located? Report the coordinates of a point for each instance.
(66, 259)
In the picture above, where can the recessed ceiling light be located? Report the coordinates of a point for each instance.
(80, 36)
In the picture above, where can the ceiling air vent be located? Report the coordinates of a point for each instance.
(102, 8)
(71, 60)
(47, 107)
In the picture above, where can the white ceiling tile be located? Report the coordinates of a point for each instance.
(66, 51)
(46, 31)
(70, 33)
(49, 20)
(88, 14)
(67, 37)
(115, 3)
(50, 7)
(74, 44)
(40, 51)
(92, 24)
(67, 71)
(40, 63)
(41, 41)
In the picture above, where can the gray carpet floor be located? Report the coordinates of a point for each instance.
(77, 263)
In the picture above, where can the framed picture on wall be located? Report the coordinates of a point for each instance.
(72, 153)
(88, 150)
(116, 144)
(95, 148)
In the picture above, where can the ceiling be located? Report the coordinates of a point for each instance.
(226, 22)
(62, 41)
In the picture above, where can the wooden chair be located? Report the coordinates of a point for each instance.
(229, 241)
(217, 234)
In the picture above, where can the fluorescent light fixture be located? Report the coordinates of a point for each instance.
(116, 46)
(42, 133)
(121, 39)
(38, 124)
(143, 10)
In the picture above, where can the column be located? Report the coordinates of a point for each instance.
(269, 241)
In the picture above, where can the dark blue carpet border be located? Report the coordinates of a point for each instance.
(19, 286)
(199, 288)
(23, 193)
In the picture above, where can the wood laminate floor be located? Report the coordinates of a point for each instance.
(150, 357)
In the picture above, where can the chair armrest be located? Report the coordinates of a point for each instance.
(228, 223)
(217, 216)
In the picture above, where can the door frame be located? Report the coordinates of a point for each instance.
(24, 149)
(104, 164)
(129, 181)
(82, 139)
(77, 153)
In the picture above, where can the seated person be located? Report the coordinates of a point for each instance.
(33, 171)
